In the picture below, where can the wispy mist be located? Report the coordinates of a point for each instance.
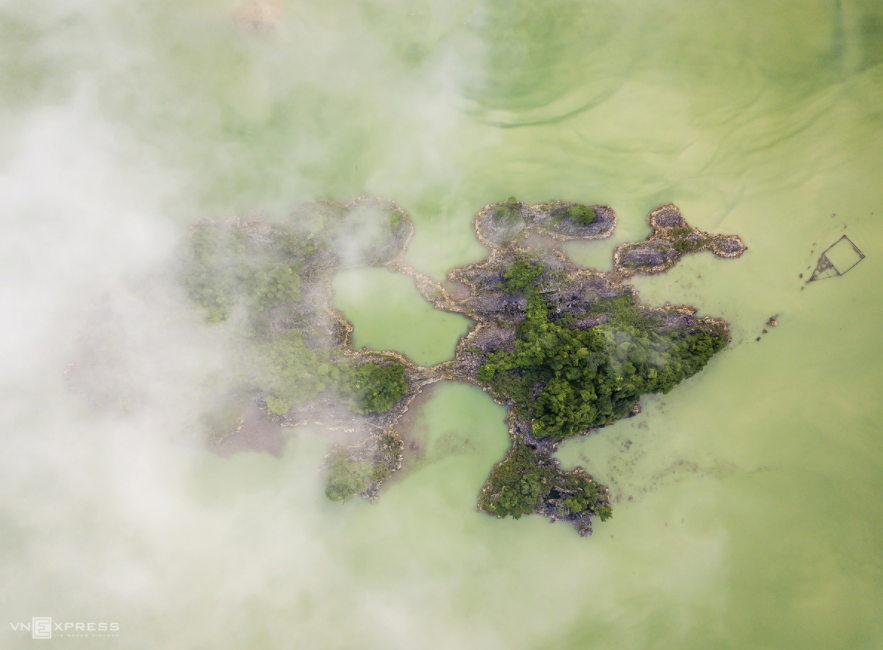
(123, 123)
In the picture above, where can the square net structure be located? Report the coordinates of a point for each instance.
(837, 259)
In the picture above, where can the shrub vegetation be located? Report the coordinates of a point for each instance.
(569, 380)
(526, 478)
(581, 214)
(507, 211)
(228, 268)
(678, 238)
(348, 475)
(376, 388)
(345, 478)
(522, 276)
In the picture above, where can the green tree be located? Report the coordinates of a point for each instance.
(344, 478)
(521, 277)
(581, 214)
(376, 388)
(568, 380)
(507, 211)
(526, 478)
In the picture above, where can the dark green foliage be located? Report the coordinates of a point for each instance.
(581, 214)
(376, 388)
(520, 484)
(678, 238)
(351, 471)
(521, 277)
(345, 478)
(583, 495)
(289, 372)
(224, 268)
(684, 246)
(604, 511)
(571, 380)
(566, 320)
(678, 233)
(622, 311)
(517, 485)
(271, 286)
(259, 270)
(386, 457)
(507, 211)
(380, 472)
(395, 220)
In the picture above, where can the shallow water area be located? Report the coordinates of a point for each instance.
(388, 313)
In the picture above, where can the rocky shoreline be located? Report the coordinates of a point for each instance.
(670, 239)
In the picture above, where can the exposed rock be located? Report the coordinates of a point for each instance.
(671, 238)
(666, 216)
(647, 255)
(506, 224)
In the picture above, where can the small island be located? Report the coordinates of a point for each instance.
(569, 350)
(671, 238)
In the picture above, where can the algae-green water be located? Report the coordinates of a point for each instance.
(388, 313)
(747, 507)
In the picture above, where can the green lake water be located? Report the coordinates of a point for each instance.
(388, 313)
(747, 502)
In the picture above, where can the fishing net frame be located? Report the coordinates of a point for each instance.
(825, 264)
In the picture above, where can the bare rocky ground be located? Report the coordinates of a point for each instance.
(544, 220)
(671, 238)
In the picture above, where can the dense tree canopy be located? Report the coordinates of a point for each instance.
(376, 388)
(526, 478)
(569, 380)
(522, 276)
(345, 479)
(224, 268)
(581, 214)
